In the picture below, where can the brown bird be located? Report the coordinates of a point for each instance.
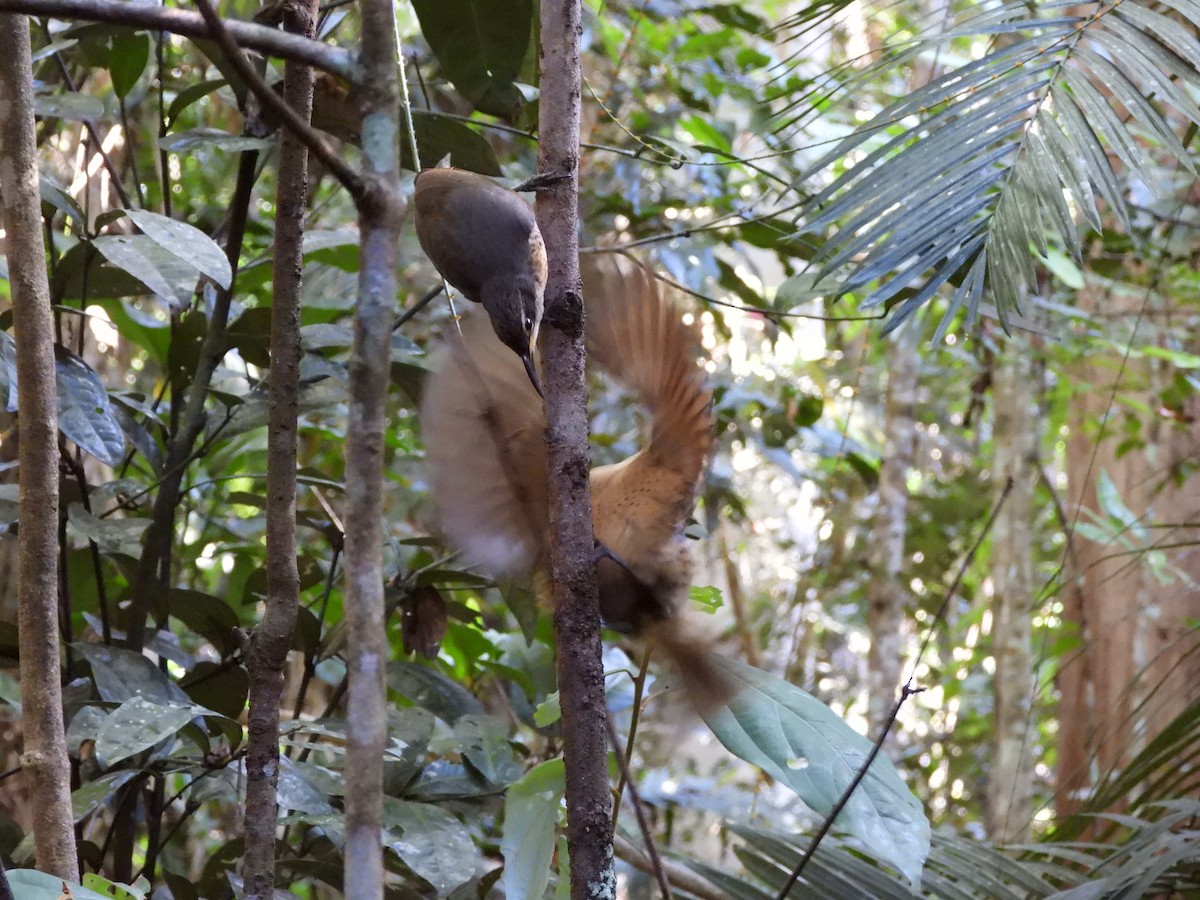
(486, 461)
(484, 240)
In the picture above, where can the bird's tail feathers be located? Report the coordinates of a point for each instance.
(689, 651)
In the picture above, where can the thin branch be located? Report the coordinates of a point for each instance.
(683, 878)
(45, 762)
(293, 121)
(156, 551)
(381, 214)
(906, 691)
(639, 810)
(269, 41)
(273, 637)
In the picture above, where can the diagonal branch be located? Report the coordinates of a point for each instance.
(189, 24)
(304, 132)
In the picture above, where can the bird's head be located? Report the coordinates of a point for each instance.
(515, 307)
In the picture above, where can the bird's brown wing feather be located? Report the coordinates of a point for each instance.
(634, 331)
(483, 428)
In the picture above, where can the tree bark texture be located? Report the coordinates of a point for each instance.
(45, 763)
(381, 213)
(1015, 435)
(576, 611)
(273, 637)
(1138, 662)
(885, 555)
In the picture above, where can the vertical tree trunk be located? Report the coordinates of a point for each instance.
(1009, 801)
(1137, 666)
(381, 214)
(45, 760)
(885, 556)
(577, 611)
(273, 637)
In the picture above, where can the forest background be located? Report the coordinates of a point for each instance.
(943, 261)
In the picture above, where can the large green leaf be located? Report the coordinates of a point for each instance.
(186, 242)
(432, 842)
(85, 415)
(800, 741)
(480, 45)
(531, 811)
(138, 724)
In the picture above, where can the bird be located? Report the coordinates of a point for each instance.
(484, 240)
(486, 463)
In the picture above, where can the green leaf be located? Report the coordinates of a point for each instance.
(190, 95)
(85, 415)
(481, 45)
(798, 740)
(487, 748)
(440, 136)
(1064, 269)
(111, 535)
(548, 711)
(142, 258)
(427, 687)
(209, 138)
(112, 889)
(432, 842)
(29, 884)
(707, 598)
(138, 724)
(130, 53)
(121, 674)
(88, 797)
(76, 107)
(531, 812)
(186, 242)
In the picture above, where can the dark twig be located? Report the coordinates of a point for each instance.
(428, 297)
(639, 810)
(341, 170)
(906, 691)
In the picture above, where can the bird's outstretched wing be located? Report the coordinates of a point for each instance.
(483, 428)
(634, 331)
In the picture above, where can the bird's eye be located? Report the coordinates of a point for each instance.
(528, 324)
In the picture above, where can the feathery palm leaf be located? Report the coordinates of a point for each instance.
(967, 179)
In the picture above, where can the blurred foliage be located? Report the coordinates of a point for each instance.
(703, 122)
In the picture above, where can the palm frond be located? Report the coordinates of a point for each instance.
(973, 176)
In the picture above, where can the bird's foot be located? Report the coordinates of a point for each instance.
(541, 182)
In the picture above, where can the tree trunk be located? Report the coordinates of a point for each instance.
(1009, 800)
(885, 555)
(576, 602)
(1137, 666)
(44, 761)
(273, 637)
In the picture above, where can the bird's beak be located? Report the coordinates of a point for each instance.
(531, 370)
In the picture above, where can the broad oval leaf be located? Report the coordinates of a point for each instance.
(186, 242)
(121, 674)
(30, 884)
(111, 535)
(130, 53)
(205, 138)
(432, 842)
(138, 724)
(531, 810)
(85, 415)
(76, 107)
(128, 252)
(481, 45)
(800, 741)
